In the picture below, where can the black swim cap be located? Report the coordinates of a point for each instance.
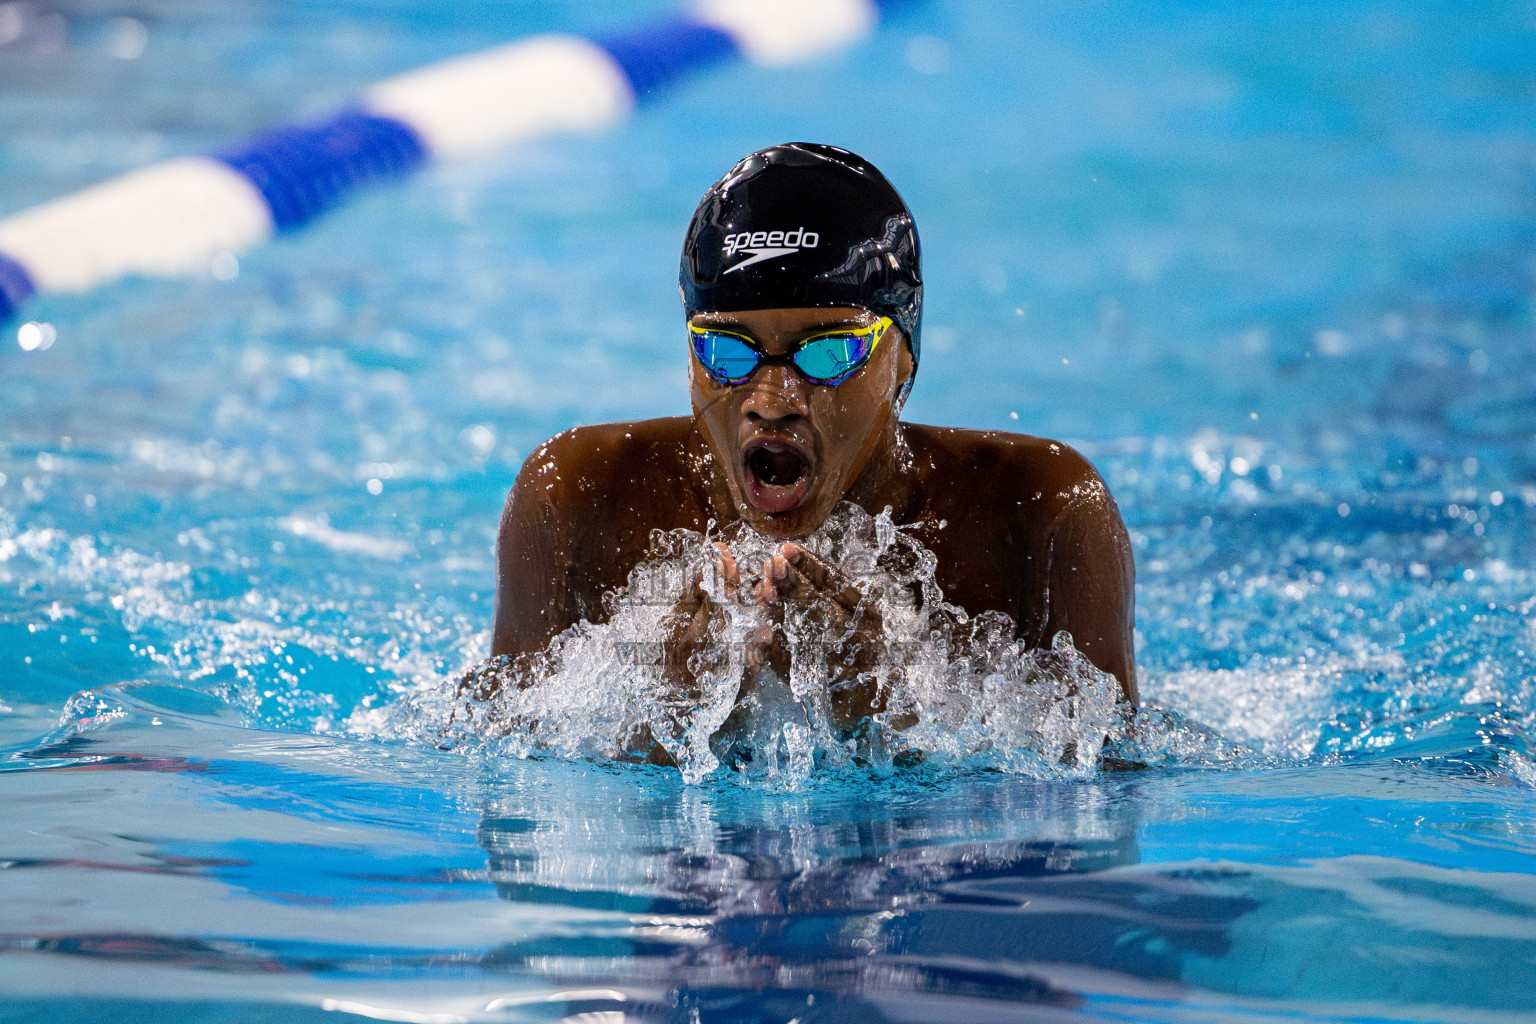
(804, 224)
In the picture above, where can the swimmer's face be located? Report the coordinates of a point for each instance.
(791, 449)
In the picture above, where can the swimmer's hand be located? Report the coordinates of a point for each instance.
(686, 654)
(797, 577)
(686, 629)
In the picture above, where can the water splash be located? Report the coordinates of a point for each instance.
(269, 646)
(946, 685)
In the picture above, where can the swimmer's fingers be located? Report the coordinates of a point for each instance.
(798, 589)
(690, 616)
(790, 584)
(693, 594)
(794, 574)
(783, 582)
(771, 586)
(759, 648)
(821, 576)
(725, 565)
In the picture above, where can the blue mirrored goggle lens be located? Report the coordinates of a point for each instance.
(828, 359)
(834, 357)
(725, 357)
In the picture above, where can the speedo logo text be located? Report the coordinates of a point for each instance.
(766, 245)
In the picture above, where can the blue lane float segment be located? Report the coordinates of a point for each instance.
(303, 170)
(660, 54)
(15, 286)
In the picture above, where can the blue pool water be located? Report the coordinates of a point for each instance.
(1269, 264)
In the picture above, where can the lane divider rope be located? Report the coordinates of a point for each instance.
(172, 218)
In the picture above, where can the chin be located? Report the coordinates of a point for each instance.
(792, 524)
(780, 526)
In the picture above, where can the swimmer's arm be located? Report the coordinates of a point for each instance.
(530, 609)
(1093, 585)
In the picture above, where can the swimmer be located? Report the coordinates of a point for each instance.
(802, 291)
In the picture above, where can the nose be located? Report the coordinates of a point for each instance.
(776, 393)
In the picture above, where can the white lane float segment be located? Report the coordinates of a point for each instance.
(168, 219)
(542, 85)
(788, 31)
(174, 218)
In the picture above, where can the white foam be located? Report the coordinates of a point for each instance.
(544, 84)
(777, 32)
(1278, 711)
(168, 219)
(239, 646)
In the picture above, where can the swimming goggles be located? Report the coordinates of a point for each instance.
(830, 358)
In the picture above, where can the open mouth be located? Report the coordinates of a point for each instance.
(777, 474)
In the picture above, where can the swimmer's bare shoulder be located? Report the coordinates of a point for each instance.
(1030, 530)
(579, 518)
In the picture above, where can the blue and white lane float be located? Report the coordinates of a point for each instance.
(175, 217)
